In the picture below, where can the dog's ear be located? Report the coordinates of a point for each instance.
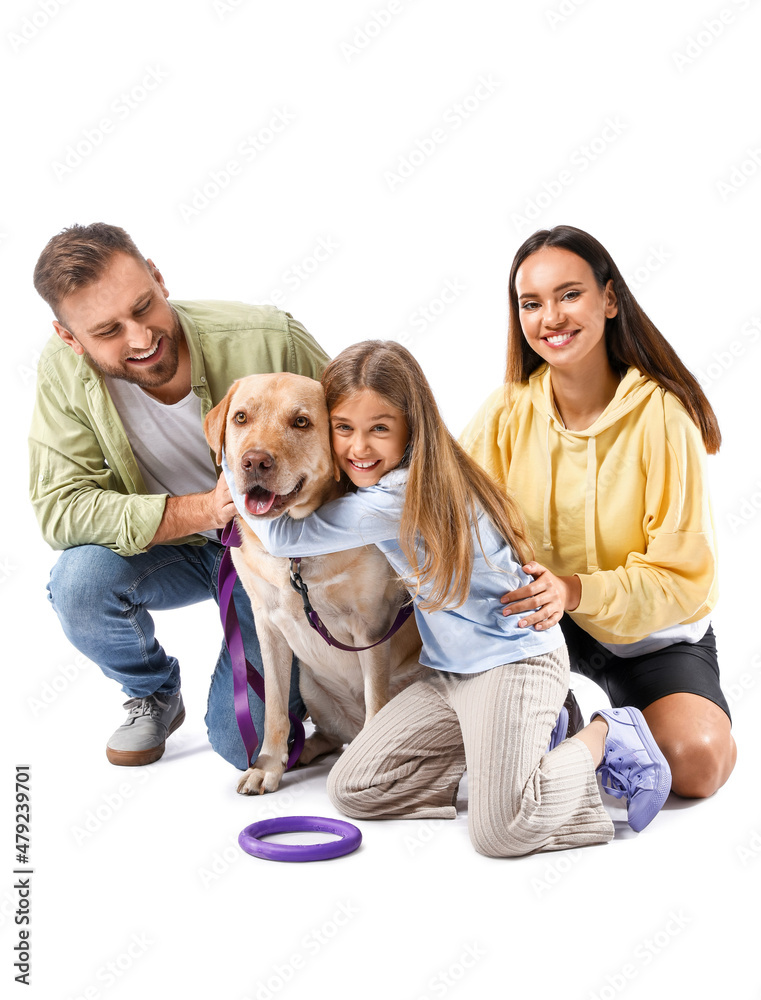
(215, 422)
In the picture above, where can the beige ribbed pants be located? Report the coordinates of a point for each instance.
(408, 761)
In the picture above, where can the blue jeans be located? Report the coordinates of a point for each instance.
(103, 601)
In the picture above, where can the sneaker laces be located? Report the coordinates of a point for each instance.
(152, 705)
(624, 775)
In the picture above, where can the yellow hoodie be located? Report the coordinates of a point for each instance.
(622, 504)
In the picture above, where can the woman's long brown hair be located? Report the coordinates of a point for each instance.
(446, 488)
(631, 337)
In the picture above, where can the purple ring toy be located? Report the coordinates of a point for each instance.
(350, 838)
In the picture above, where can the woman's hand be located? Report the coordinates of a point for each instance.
(548, 596)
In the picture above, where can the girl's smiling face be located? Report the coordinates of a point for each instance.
(562, 309)
(369, 436)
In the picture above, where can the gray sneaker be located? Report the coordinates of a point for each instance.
(141, 739)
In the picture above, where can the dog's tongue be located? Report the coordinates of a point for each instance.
(260, 503)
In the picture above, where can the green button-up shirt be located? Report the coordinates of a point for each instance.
(85, 485)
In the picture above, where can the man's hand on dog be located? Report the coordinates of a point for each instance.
(221, 506)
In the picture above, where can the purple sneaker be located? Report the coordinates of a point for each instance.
(633, 766)
(560, 730)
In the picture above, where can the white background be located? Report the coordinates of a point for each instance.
(637, 122)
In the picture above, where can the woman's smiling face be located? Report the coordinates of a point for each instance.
(562, 309)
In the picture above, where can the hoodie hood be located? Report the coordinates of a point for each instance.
(634, 389)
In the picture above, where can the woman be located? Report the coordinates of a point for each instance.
(601, 436)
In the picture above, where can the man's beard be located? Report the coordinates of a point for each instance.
(152, 378)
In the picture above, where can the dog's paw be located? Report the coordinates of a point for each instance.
(263, 777)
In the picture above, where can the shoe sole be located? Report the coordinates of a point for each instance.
(661, 792)
(138, 758)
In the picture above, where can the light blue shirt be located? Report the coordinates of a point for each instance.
(465, 640)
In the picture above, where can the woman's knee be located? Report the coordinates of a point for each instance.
(700, 764)
(695, 736)
(349, 789)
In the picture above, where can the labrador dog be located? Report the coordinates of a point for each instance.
(275, 433)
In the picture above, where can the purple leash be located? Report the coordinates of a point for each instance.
(243, 673)
(317, 624)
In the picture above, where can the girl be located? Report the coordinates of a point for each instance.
(494, 690)
(601, 436)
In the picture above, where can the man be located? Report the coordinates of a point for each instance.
(122, 478)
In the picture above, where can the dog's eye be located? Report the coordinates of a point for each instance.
(240, 417)
(301, 422)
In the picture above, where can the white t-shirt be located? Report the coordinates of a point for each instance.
(167, 441)
(693, 633)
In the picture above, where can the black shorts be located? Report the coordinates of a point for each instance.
(682, 668)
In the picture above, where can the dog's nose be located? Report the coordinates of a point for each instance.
(252, 461)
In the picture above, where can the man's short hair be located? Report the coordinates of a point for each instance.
(78, 256)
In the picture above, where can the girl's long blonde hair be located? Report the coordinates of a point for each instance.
(446, 488)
